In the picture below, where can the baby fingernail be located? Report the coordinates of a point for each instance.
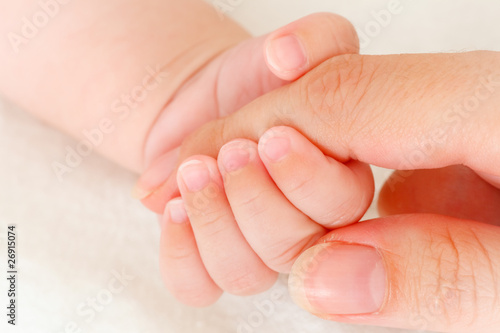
(275, 148)
(339, 279)
(195, 175)
(234, 156)
(177, 211)
(286, 54)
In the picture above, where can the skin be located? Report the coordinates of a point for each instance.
(417, 113)
(259, 219)
(192, 50)
(239, 76)
(209, 54)
(107, 63)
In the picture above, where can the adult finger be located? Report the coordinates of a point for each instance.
(398, 111)
(453, 191)
(308, 42)
(409, 271)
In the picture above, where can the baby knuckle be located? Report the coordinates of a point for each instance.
(253, 206)
(192, 296)
(335, 216)
(210, 224)
(282, 262)
(343, 210)
(241, 282)
(286, 252)
(178, 252)
(301, 187)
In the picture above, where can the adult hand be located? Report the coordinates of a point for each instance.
(434, 271)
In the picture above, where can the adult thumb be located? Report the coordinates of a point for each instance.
(409, 271)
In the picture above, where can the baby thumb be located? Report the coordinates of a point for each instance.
(411, 271)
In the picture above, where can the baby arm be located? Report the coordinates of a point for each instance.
(131, 71)
(100, 62)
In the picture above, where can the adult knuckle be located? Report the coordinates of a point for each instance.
(460, 279)
(205, 140)
(334, 80)
(188, 147)
(336, 92)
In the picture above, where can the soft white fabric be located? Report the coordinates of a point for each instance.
(75, 236)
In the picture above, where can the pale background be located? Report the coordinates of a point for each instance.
(74, 234)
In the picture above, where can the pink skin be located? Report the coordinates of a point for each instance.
(249, 220)
(238, 76)
(428, 271)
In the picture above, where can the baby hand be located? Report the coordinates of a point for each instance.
(247, 216)
(232, 80)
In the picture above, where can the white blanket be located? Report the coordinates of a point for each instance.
(86, 241)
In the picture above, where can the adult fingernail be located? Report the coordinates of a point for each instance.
(195, 175)
(234, 156)
(286, 54)
(155, 175)
(339, 279)
(177, 211)
(274, 148)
